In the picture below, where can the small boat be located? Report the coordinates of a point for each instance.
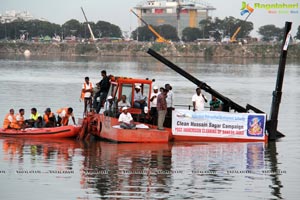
(107, 127)
(69, 131)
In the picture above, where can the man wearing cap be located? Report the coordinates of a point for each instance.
(126, 120)
(153, 104)
(109, 107)
(139, 99)
(49, 118)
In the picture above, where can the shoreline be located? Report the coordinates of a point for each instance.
(139, 49)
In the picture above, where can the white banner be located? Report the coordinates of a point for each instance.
(218, 124)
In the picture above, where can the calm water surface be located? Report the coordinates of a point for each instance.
(67, 169)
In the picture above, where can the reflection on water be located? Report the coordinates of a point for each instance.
(108, 170)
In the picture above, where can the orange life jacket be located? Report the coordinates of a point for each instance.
(65, 119)
(83, 90)
(46, 117)
(7, 123)
(18, 124)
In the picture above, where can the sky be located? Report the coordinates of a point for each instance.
(118, 11)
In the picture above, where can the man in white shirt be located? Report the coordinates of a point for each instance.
(170, 105)
(139, 99)
(109, 107)
(126, 120)
(198, 100)
(86, 94)
(153, 105)
(123, 102)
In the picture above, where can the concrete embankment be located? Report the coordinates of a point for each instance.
(204, 50)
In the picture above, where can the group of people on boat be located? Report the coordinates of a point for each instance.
(18, 121)
(161, 102)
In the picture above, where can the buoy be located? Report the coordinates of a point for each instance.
(27, 53)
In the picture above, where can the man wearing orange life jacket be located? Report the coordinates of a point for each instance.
(20, 121)
(86, 94)
(9, 119)
(63, 116)
(49, 118)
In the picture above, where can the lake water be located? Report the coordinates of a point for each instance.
(67, 169)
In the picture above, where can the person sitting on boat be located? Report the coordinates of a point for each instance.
(9, 119)
(20, 121)
(63, 116)
(104, 85)
(215, 104)
(153, 105)
(139, 99)
(39, 123)
(49, 118)
(198, 100)
(33, 117)
(86, 94)
(126, 120)
(109, 107)
(123, 102)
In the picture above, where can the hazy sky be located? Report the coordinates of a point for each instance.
(118, 11)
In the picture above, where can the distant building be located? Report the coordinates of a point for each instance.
(12, 15)
(177, 13)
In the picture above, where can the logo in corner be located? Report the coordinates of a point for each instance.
(246, 8)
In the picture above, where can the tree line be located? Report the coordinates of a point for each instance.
(209, 28)
(37, 28)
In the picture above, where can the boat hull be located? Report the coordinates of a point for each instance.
(69, 131)
(111, 131)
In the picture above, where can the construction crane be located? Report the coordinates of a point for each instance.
(159, 38)
(90, 29)
(248, 10)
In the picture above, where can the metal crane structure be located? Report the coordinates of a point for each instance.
(272, 123)
(159, 38)
(88, 25)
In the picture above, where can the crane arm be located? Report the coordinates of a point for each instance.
(159, 37)
(89, 27)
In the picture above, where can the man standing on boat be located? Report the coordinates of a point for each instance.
(198, 100)
(215, 104)
(170, 105)
(102, 93)
(153, 105)
(161, 109)
(86, 94)
(126, 120)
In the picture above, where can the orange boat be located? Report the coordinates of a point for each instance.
(107, 127)
(69, 131)
(110, 130)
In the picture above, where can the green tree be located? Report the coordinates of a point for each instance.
(144, 34)
(190, 34)
(298, 33)
(226, 27)
(270, 32)
(72, 27)
(106, 29)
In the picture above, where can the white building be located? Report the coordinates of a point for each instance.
(12, 15)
